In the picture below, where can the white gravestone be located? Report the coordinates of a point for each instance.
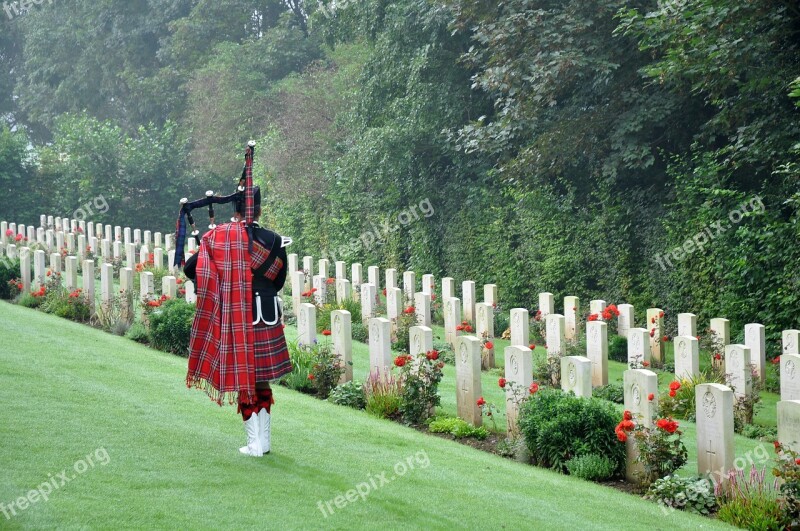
(428, 284)
(169, 286)
(626, 319)
(321, 287)
(341, 324)
(722, 329)
(547, 304)
(714, 414)
(572, 308)
(490, 294)
(391, 279)
(394, 306)
(638, 385)
(638, 346)
(789, 423)
(468, 379)
(790, 376)
(737, 366)
(519, 370)
(520, 327)
(146, 287)
(88, 282)
(655, 325)
(452, 318)
(422, 308)
(755, 339)
(555, 335)
(106, 282)
(597, 351)
(596, 307)
(687, 357)
(790, 342)
(340, 269)
(307, 324)
(409, 286)
(468, 295)
(25, 268)
(380, 346)
(484, 327)
(420, 340)
(324, 268)
(448, 288)
(39, 268)
(374, 278)
(343, 290)
(367, 301)
(55, 263)
(71, 273)
(687, 324)
(356, 272)
(576, 375)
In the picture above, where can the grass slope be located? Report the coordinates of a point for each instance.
(68, 390)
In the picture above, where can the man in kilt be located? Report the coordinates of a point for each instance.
(237, 346)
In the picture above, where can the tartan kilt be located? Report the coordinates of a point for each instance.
(271, 353)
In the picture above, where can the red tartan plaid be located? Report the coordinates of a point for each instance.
(274, 269)
(222, 357)
(272, 354)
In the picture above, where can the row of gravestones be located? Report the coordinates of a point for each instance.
(66, 243)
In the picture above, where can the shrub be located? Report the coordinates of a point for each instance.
(694, 495)
(758, 432)
(681, 403)
(420, 382)
(29, 300)
(9, 270)
(359, 330)
(405, 321)
(324, 317)
(327, 369)
(558, 427)
(787, 473)
(661, 450)
(750, 501)
(618, 348)
(302, 364)
(116, 315)
(772, 378)
(137, 332)
(171, 326)
(383, 394)
(610, 392)
(591, 467)
(350, 394)
(457, 427)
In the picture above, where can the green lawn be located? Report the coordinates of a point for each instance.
(69, 391)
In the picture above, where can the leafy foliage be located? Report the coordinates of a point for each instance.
(694, 495)
(171, 326)
(457, 427)
(591, 467)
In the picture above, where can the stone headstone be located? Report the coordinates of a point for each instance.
(321, 287)
(428, 284)
(144, 254)
(687, 357)
(638, 346)
(468, 379)
(374, 278)
(655, 325)
(55, 263)
(576, 375)
(137, 236)
(547, 304)
(448, 288)
(71, 243)
(452, 318)
(88, 282)
(106, 282)
(126, 280)
(340, 269)
(343, 290)
(687, 324)
(368, 294)
(130, 255)
(490, 294)
(714, 418)
(49, 240)
(380, 346)
(484, 327)
(341, 331)
(3, 229)
(790, 342)
(158, 257)
(409, 286)
(40, 235)
(468, 293)
(755, 339)
(520, 327)
(596, 307)
(722, 329)
(117, 250)
(71, 273)
(169, 286)
(146, 285)
(190, 293)
(597, 351)
(108, 234)
(147, 238)
(626, 319)
(60, 241)
(307, 324)
(637, 386)
(128, 237)
(11, 250)
(308, 265)
(191, 245)
(169, 242)
(519, 370)
(556, 343)
(357, 277)
(39, 268)
(789, 423)
(422, 308)
(394, 305)
(293, 264)
(31, 235)
(571, 311)
(391, 279)
(790, 376)
(81, 248)
(324, 268)
(737, 366)
(25, 268)
(158, 241)
(420, 340)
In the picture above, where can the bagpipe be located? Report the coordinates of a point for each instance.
(242, 196)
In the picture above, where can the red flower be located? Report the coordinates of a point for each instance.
(400, 361)
(326, 332)
(776, 361)
(667, 425)
(532, 346)
(460, 328)
(627, 425)
(645, 364)
(650, 397)
(306, 294)
(164, 298)
(652, 332)
(433, 296)
(432, 355)
(179, 281)
(653, 320)
(49, 272)
(182, 291)
(330, 281)
(489, 345)
(154, 304)
(665, 339)
(621, 435)
(627, 415)
(661, 314)
(9, 232)
(384, 292)
(593, 317)
(674, 386)
(311, 377)
(502, 383)
(314, 290)
(534, 388)
(468, 328)
(481, 402)
(717, 357)
(409, 310)
(697, 338)
(672, 394)
(797, 461)
(18, 237)
(777, 446)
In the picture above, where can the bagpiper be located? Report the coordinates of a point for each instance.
(237, 347)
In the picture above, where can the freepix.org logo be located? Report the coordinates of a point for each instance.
(20, 7)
